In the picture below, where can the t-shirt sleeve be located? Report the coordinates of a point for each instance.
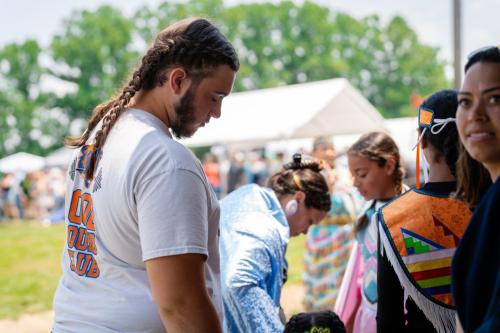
(172, 214)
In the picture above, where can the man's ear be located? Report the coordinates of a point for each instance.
(390, 166)
(178, 80)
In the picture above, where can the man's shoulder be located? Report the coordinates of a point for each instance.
(147, 146)
(154, 141)
(167, 156)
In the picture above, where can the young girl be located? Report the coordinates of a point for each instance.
(476, 265)
(420, 230)
(375, 164)
(315, 322)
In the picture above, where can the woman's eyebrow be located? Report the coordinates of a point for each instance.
(485, 91)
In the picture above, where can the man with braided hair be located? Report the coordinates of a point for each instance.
(256, 224)
(142, 220)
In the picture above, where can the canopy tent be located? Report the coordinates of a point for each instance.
(59, 158)
(330, 107)
(404, 132)
(21, 162)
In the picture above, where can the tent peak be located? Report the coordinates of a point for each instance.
(336, 81)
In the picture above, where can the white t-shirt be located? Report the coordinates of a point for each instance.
(149, 198)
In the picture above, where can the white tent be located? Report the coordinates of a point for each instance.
(404, 132)
(330, 107)
(59, 158)
(21, 162)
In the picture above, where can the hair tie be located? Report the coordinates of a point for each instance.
(297, 181)
(440, 124)
(297, 160)
(319, 329)
(426, 120)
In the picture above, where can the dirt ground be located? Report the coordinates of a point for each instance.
(32, 323)
(291, 299)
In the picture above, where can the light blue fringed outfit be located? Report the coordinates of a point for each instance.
(253, 237)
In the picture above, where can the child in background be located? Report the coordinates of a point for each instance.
(420, 230)
(376, 167)
(315, 322)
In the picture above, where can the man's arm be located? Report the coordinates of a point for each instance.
(179, 291)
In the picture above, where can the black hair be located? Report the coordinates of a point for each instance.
(444, 104)
(488, 54)
(307, 322)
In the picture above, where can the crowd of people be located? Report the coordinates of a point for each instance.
(37, 195)
(150, 248)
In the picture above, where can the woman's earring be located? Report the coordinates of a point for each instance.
(291, 207)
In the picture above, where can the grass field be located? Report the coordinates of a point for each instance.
(294, 255)
(30, 257)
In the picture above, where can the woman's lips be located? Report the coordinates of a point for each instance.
(480, 136)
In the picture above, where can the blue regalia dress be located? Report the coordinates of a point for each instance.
(253, 237)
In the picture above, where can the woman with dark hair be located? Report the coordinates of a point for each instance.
(476, 265)
(420, 230)
(141, 253)
(256, 224)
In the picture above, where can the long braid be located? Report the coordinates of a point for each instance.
(108, 122)
(194, 44)
(109, 114)
(97, 115)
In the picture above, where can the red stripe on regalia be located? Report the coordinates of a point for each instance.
(432, 273)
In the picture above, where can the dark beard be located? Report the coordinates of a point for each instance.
(184, 112)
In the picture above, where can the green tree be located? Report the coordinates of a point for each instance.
(282, 43)
(149, 21)
(408, 67)
(95, 52)
(287, 43)
(278, 44)
(24, 125)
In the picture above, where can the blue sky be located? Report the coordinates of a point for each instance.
(22, 19)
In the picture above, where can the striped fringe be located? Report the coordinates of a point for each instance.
(442, 319)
